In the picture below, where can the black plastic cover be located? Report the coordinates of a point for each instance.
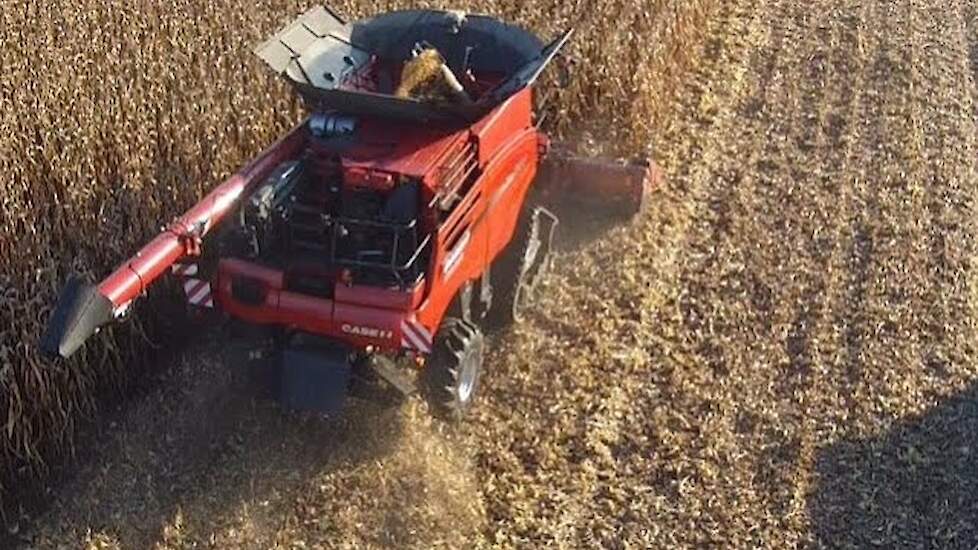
(315, 374)
(79, 313)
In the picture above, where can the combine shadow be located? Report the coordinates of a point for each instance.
(916, 486)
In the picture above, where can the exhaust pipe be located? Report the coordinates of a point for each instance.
(80, 312)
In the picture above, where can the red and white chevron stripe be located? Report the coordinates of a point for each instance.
(198, 292)
(184, 270)
(415, 336)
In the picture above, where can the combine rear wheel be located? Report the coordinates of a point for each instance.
(454, 366)
(523, 264)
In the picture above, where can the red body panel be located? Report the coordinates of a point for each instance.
(484, 222)
(380, 297)
(358, 315)
(400, 148)
(489, 225)
(503, 124)
(478, 229)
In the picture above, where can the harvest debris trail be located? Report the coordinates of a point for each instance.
(586, 387)
(782, 353)
(821, 295)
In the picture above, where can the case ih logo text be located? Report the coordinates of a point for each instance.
(368, 332)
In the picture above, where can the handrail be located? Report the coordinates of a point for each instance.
(395, 268)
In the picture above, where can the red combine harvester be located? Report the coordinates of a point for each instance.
(365, 248)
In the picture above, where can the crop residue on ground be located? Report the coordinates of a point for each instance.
(781, 353)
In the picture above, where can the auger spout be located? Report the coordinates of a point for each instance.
(83, 308)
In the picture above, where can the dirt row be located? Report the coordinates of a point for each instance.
(781, 353)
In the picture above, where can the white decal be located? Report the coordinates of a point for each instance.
(415, 336)
(454, 256)
(184, 270)
(368, 332)
(198, 292)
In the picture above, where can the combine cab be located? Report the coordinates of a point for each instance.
(369, 245)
